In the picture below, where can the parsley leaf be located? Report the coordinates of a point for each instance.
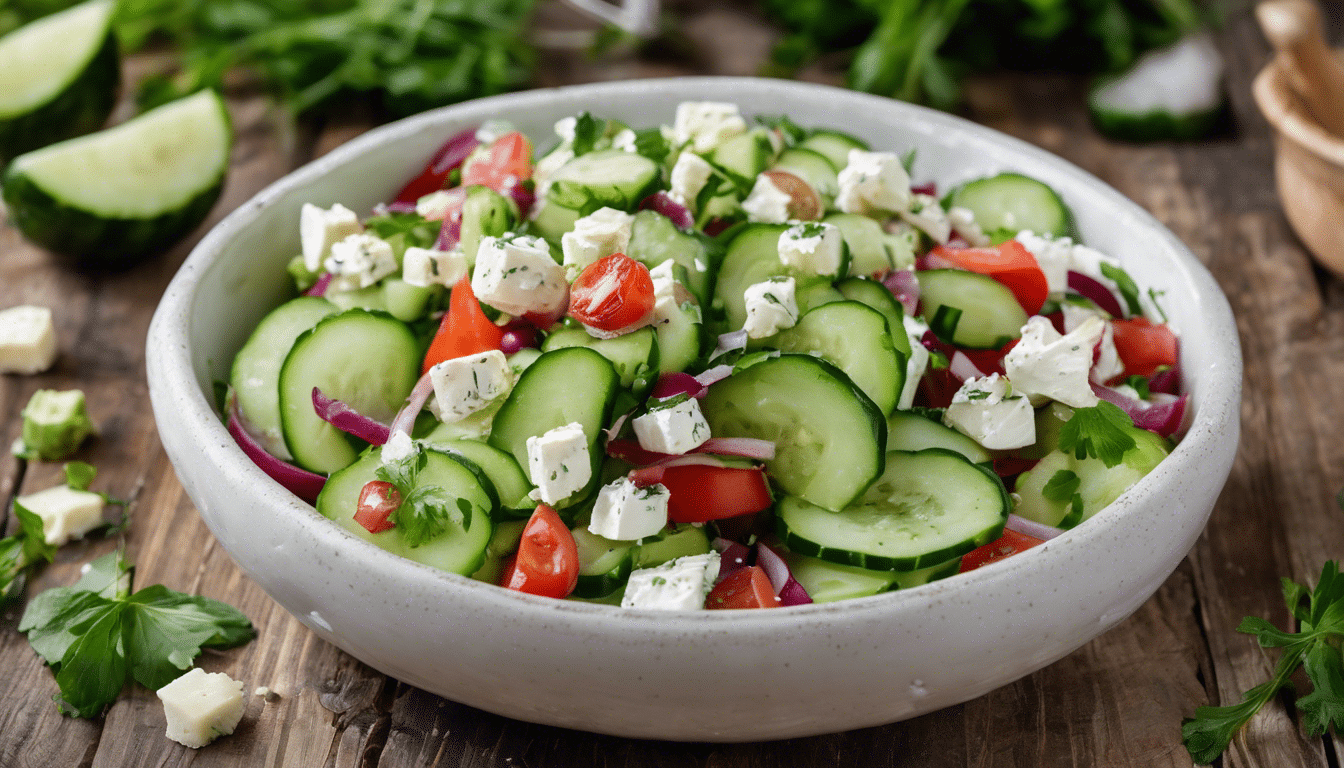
(22, 550)
(1100, 432)
(427, 512)
(1140, 385)
(97, 635)
(651, 143)
(1061, 486)
(587, 131)
(79, 475)
(1315, 647)
(1126, 284)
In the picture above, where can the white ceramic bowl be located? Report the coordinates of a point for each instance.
(708, 675)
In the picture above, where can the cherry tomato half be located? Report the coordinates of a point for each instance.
(465, 330)
(744, 588)
(1011, 264)
(1143, 346)
(547, 562)
(1007, 545)
(377, 500)
(508, 161)
(612, 294)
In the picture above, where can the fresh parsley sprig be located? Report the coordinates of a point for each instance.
(1100, 432)
(1314, 647)
(22, 550)
(98, 635)
(426, 511)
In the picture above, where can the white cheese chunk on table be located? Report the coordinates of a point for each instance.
(27, 340)
(66, 513)
(201, 706)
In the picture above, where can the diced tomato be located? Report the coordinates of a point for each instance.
(508, 161)
(1007, 545)
(744, 588)
(701, 493)
(612, 294)
(377, 501)
(547, 562)
(465, 330)
(1143, 346)
(1010, 264)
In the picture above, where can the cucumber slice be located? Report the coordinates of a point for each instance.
(927, 507)
(679, 339)
(868, 251)
(744, 155)
(604, 565)
(970, 309)
(876, 295)
(607, 178)
(829, 436)
(368, 360)
(654, 239)
(814, 168)
(509, 479)
(834, 146)
(457, 550)
(854, 337)
(563, 386)
(485, 212)
(1098, 485)
(1010, 202)
(58, 77)
(1171, 93)
(551, 221)
(677, 540)
(634, 354)
(908, 431)
(827, 582)
(255, 377)
(123, 193)
(752, 257)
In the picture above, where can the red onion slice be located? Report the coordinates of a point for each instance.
(400, 206)
(518, 335)
(300, 482)
(662, 202)
(1167, 382)
(451, 154)
(1092, 290)
(320, 287)
(677, 383)
(615, 428)
(523, 197)
(631, 452)
(341, 416)
(746, 447)
(729, 342)
(732, 557)
(930, 189)
(714, 375)
(905, 287)
(653, 474)
(787, 588)
(450, 233)
(1164, 415)
(1032, 528)
(415, 403)
(961, 366)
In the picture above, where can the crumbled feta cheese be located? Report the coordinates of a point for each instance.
(665, 303)
(964, 223)
(558, 463)
(464, 385)
(706, 124)
(359, 261)
(201, 706)
(873, 181)
(491, 131)
(915, 329)
(689, 176)
(771, 306)
(597, 235)
(679, 585)
(624, 140)
(626, 512)
(546, 168)
(424, 267)
(438, 204)
(320, 228)
(399, 447)
(516, 274)
(926, 213)
(1052, 256)
(565, 128)
(27, 340)
(1108, 364)
(1045, 364)
(984, 410)
(767, 203)
(66, 513)
(812, 247)
(673, 427)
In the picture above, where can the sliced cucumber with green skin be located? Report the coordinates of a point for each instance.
(970, 309)
(609, 178)
(928, 507)
(120, 194)
(1172, 93)
(654, 239)
(678, 540)
(752, 257)
(834, 146)
(854, 337)
(457, 549)
(563, 386)
(485, 213)
(509, 479)
(634, 354)
(367, 360)
(812, 167)
(255, 377)
(877, 296)
(604, 565)
(868, 251)
(827, 582)
(679, 339)
(1098, 485)
(1010, 202)
(746, 154)
(58, 77)
(829, 437)
(551, 221)
(908, 431)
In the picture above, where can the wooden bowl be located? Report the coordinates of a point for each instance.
(1308, 168)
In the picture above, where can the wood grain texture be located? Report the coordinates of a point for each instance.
(1117, 701)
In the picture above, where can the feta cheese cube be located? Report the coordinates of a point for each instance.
(66, 513)
(516, 274)
(705, 125)
(399, 447)
(626, 512)
(438, 204)
(679, 585)
(558, 463)
(464, 385)
(766, 202)
(689, 176)
(812, 247)
(873, 181)
(963, 223)
(320, 228)
(565, 128)
(915, 329)
(926, 213)
(359, 261)
(1045, 364)
(673, 426)
(1108, 364)
(772, 306)
(597, 235)
(424, 267)
(27, 340)
(984, 410)
(201, 706)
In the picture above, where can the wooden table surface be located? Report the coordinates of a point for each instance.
(1117, 701)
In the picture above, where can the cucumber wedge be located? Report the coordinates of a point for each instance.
(58, 77)
(121, 194)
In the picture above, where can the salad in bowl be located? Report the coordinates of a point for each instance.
(726, 362)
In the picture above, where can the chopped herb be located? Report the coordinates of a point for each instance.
(658, 581)
(1126, 284)
(587, 131)
(1100, 432)
(978, 394)
(1062, 486)
(1155, 296)
(1140, 385)
(651, 143)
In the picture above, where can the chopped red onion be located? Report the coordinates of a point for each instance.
(662, 202)
(678, 383)
(300, 482)
(450, 233)
(930, 189)
(615, 428)
(341, 416)
(732, 557)
(400, 206)
(932, 260)
(653, 474)
(1163, 415)
(1092, 290)
(746, 447)
(787, 588)
(905, 287)
(519, 334)
(712, 376)
(631, 452)
(729, 342)
(415, 403)
(320, 287)
(1032, 528)
(1166, 381)
(716, 226)
(523, 197)
(544, 321)
(451, 154)
(961, 366)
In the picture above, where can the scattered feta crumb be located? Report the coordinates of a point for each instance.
(665, 303)
(873, 181)
(767, 203)
(624, 140)
(679, 585)
(984, 410)
(964, 223)
(672, 427)
(424, 267)
(597, 235)
(359, 261)
(1045, 364)
(27, 340)
(689, 175)
(926, 213)
(771, 306)
(812, 247)
(558, 463)
(914, 328)
(1108, 364)
(626, 512)
(320, 228)
(464, 385)
(399, 446)
(705, 125)
(201, 706)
